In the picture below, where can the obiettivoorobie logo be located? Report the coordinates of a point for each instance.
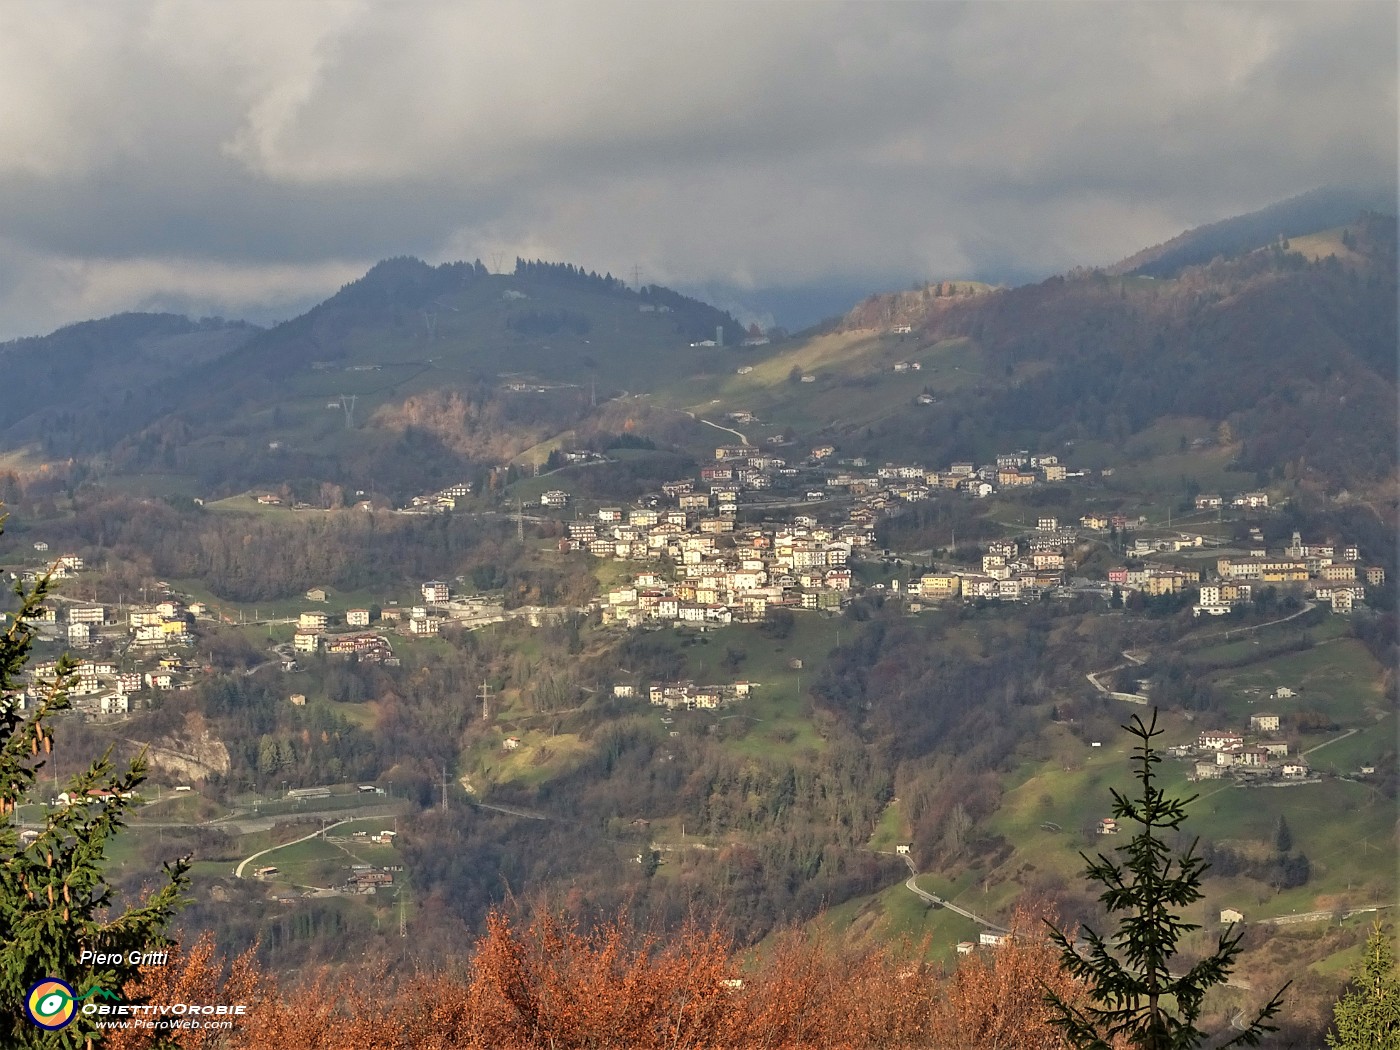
(52, 1004)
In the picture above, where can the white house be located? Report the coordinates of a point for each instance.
(114, 704)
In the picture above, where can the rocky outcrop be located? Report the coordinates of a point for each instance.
(189, 754)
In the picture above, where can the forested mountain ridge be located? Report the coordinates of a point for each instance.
(333, 395)
(1295, 354)
(420, 373)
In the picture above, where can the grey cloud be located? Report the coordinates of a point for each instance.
(237, 154)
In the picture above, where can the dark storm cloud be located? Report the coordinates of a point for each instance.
(257, 154)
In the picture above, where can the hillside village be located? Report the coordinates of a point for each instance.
(701, 565)
(724, 571)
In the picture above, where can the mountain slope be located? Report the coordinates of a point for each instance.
(1295, 355)
(415, 375)
(81, 387)
(1304, 214)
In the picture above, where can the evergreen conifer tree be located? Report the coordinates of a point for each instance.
(1368, 1017)
(54, 900)
(1136, 997)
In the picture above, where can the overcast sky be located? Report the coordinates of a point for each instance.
(248, 157)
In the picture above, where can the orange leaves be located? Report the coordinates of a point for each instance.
(197, 975)
(548, 984)
(555, 985)
(995, 1000)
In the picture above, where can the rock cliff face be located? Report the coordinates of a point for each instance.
(191, 753)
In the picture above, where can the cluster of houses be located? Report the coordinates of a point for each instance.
(1328, 572)
(1244, 501)
(418, 621)
(1222, 752)
(424, 620)
(311, 636)
(726, 572)
(688, 695)
(364, 879)
(102, 687)
(438, 502)
(161, 625)
(1012, 569)
(64, 567)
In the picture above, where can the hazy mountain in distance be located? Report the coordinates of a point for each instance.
(78, 388)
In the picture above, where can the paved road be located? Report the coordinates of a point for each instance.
(1206, 639)
(1349, 732)
(911, 884)
(1319, 916)
(1132, 658)
(742, 439)
(238, 871)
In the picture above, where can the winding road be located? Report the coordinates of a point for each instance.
(911, 884)
(238, 871)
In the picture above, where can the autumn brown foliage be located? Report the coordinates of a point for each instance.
(996, 1000)
(198, 974)
(547, 982)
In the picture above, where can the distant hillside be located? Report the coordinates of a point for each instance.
(1297, 356)
(1318, 210)
(416, 375)
(1293, 350)
(83, 386)
(914, 307)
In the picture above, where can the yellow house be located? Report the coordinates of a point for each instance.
(1012, 478)
(1165, 583)
(940, 585)
(1283, 571)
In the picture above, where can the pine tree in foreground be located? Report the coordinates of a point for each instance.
(1368, 1017)
(54, 900)
(1136, 997)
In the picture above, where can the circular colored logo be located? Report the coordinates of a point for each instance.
(50, 1004)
